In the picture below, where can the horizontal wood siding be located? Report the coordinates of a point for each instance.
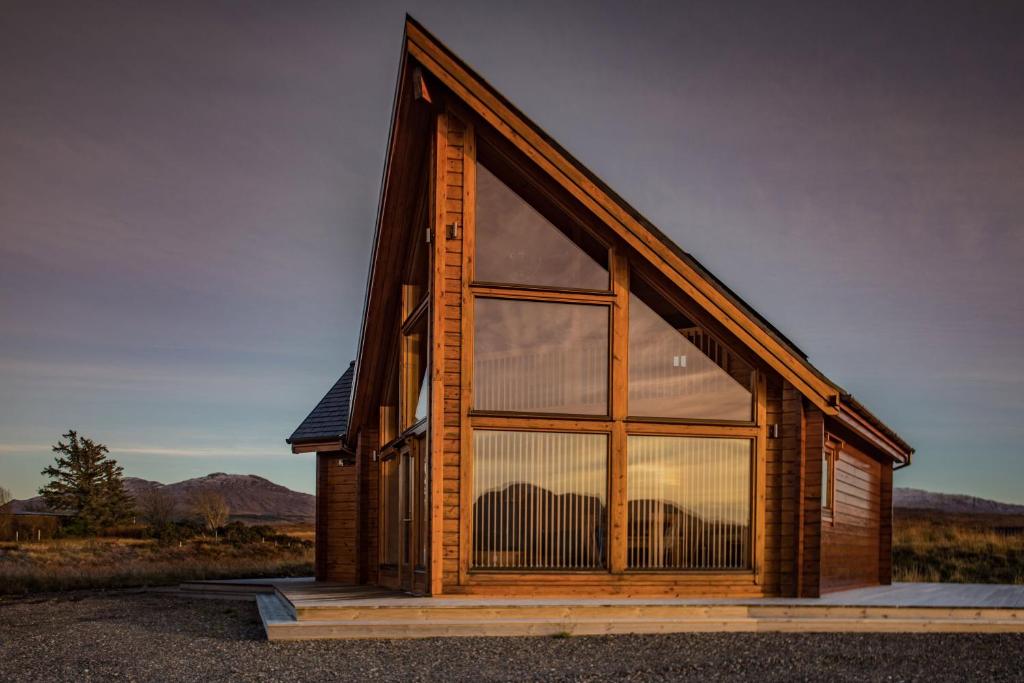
(850, 545)
(337, 498)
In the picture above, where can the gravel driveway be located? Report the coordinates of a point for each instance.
(150, 636)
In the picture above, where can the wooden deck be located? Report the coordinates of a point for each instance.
(293, 609)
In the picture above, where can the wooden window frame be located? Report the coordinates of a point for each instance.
(830, 453)
(618, 425)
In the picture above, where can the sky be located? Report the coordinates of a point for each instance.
(188, 192)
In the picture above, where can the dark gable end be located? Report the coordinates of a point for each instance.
(328, 421)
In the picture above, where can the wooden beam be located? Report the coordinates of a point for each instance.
(420, 91)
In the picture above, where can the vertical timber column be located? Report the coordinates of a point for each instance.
(618, 491)
(438, 433)
(448, 547)
(790, 485)
(885, 526)
(810, 504)
(320, 524)
(777, 573)
(367, 472)
(761, 485)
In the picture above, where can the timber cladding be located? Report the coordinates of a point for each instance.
(337, 498)
(851, 539)
(449, 558)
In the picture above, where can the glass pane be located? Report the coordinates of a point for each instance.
(689, 503)
(678, 370)
(540, 357)
(421, 402)
(416, 392)
(515, 244)
(539, 500)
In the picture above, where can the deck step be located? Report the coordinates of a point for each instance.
(285, 629)
(668, 612)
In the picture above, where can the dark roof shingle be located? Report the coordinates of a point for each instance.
(329, 419)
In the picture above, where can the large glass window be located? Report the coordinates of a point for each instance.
(540, 357)
(540, 500)
(515, 244)
(688, 502)
(677, 369)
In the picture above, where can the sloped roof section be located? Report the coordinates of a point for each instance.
(328, 421)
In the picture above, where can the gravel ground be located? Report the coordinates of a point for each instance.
(149, 636)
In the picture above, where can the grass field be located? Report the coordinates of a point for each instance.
(947, 548)
(74, 563)
(927, 546)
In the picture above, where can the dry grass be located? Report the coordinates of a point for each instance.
(67, 564)
(936, 547)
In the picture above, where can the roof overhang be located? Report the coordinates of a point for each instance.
(321, 446)
(855, 416)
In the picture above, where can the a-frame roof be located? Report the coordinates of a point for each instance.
(684, 271)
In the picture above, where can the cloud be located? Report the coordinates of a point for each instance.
(23, 447)
(159, 450)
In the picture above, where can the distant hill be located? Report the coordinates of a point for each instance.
(249, 497)
(917, 499)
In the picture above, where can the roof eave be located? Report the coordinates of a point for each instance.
(316, 445)
(855, 416)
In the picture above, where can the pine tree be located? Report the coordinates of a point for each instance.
(87, 482)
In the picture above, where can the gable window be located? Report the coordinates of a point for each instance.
(517, 245)
(677, 369)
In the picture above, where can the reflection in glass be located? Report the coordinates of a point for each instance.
(678, 370)
(540, 357)
(417, 389)
(539, 500)
(688, 503)
(515, 244)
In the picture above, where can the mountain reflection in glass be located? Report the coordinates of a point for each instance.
(688, 503)
(540, 357)
(515, 244)
(678, 370)
(539, 500)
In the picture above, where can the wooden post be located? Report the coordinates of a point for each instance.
(618, 503)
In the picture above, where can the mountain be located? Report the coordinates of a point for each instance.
(917, 499)
(249, 497)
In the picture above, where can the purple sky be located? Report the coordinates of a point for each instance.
(187, 194)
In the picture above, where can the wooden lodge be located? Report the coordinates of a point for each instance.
(550, 398)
